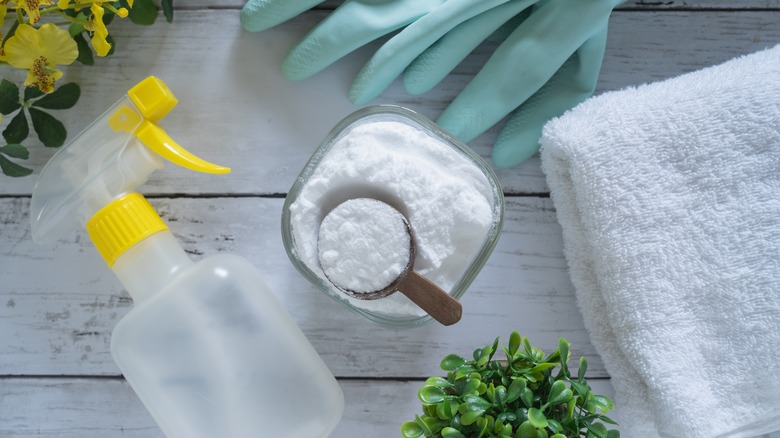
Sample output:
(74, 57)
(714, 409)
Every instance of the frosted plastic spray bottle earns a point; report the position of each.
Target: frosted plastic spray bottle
(207, 347)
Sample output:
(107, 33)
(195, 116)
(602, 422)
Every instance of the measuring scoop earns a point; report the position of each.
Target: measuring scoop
(366, 249)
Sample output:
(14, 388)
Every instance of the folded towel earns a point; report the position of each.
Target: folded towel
(669, 199)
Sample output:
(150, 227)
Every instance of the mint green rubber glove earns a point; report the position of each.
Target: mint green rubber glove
(258, 15)
(352, 25)
(547, 65)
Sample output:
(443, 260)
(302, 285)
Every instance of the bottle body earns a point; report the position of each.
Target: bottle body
(215, 354)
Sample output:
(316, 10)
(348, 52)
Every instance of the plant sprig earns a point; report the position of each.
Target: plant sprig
(31, 101)
(80, 35)
(527, 395)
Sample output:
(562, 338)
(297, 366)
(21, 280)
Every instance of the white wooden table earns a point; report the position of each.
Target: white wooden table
(58, 304)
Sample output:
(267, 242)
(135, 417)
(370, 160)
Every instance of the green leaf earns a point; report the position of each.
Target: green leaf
(526, 430)
(514, 343)
(433, 424)
(596, 430)
(143, 12)
(559, 393)
(527, 397)
(9, 97)
(494, 348)
(14, 150)
(483, 424)
(429, 394)
(447, 409)
(167, 7)
(507, 417)
(464, 372)
(12, 169)
(85, 51)
(558, 435)
(537, 418)
(563, 347)
(471, 416)
(75, 29)
(410, 429)
(581, 388)
(110, 40)
(527, 347)
(613, 434)
(542, 366)
(600, 402)
(32, 93)
(449, 432)
(452, 362)
(583, 368)
(471, 386)
(17, 130)
(423, 426)
(554, 426)
(63, 97)
(51, 131)
(475, 403)
(441, 382)
(515, 389)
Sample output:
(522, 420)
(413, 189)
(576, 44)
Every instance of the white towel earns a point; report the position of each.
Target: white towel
(669, 199)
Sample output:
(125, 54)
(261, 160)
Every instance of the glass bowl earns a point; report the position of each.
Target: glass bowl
(449, 194)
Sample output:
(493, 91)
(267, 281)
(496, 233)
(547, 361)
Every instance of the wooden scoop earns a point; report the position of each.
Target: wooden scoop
(377, 243)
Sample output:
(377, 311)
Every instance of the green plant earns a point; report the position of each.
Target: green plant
(520, 397)
(77, 31)
(51, 132)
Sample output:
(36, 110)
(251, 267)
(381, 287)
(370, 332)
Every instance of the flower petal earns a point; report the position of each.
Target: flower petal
(57, 46)
(23, 47)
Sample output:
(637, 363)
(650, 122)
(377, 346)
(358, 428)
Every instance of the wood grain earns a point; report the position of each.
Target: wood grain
(236, 106)
(58, 304)
(61, 302)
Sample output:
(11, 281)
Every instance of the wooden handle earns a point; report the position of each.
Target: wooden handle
(431, 298)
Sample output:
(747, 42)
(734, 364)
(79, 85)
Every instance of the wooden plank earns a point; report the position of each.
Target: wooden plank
(628, 5)
(59, 304)
(99, 408)
(236, 108)
(87, 408)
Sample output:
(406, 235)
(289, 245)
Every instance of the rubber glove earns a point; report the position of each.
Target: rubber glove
(352, 25)
(548, 64)
(258, 15)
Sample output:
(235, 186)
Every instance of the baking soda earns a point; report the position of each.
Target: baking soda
(446, 198)
(364, 245)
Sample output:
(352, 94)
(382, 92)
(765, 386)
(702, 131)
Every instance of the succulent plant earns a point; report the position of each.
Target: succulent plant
(529, 394)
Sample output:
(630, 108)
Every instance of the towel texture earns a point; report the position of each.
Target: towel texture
(669, 199)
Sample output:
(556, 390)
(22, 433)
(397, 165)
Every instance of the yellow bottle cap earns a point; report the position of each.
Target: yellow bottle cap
(153, 98)
(121, 224)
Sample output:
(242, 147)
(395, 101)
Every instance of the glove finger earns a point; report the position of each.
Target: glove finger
(259, 15)
(396, 54)
(352, 25)
(438, 60)
(522, 65)
(571, 85)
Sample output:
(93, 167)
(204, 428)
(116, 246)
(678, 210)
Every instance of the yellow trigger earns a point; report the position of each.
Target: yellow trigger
(159, 141)
(154, 100)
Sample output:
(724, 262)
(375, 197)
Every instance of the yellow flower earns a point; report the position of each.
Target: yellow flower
(32, 7)
(98, 29)
(40, 51)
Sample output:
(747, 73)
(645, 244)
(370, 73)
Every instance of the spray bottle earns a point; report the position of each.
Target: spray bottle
(207, 347)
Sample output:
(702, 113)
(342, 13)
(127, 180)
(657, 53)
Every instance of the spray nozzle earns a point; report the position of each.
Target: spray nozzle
(110, 158)
(154, 100)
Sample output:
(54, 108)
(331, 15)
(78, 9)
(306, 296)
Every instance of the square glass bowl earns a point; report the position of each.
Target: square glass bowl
(451, 197)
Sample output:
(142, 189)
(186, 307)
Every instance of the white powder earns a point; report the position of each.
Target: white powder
(364, 245)
(447, 200)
